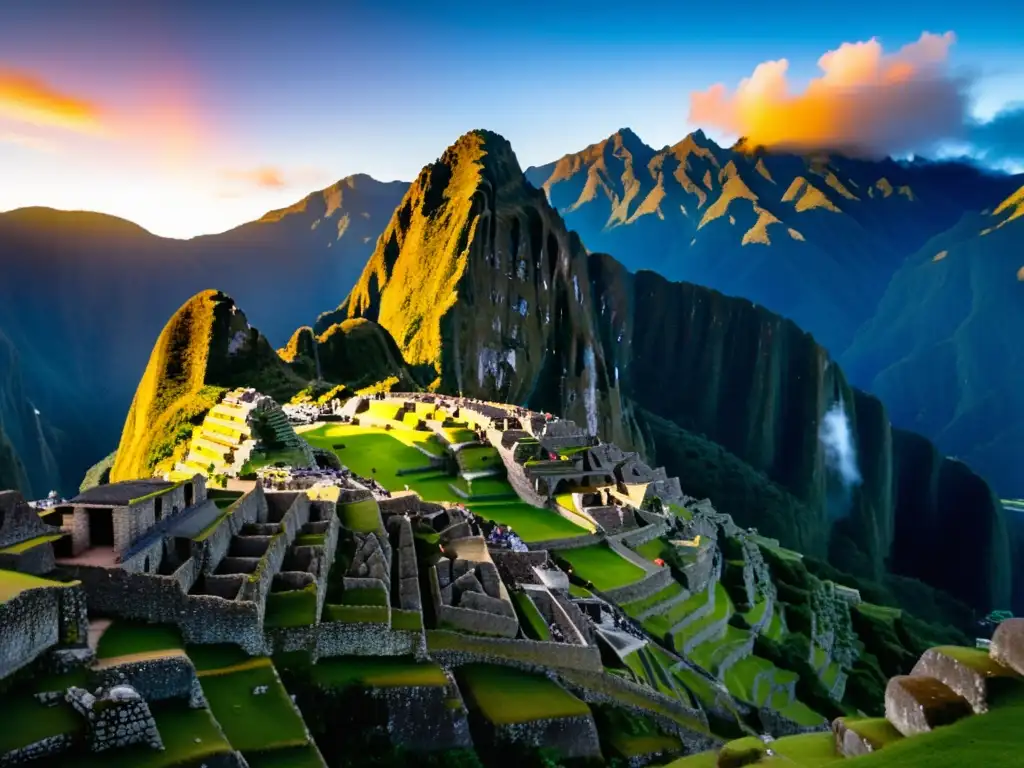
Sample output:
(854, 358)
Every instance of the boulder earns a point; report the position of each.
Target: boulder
(970, 672)
(468, 582)
(859, 736)
(1008, 644)
(915, 704)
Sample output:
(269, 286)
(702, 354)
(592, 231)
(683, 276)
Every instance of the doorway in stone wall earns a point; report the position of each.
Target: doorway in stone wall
(189, 495)
(101, 527)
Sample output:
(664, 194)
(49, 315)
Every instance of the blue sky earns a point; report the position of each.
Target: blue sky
(208, 117)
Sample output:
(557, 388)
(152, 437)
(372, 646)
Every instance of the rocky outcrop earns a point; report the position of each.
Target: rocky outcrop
(206, 347)
(919, 704)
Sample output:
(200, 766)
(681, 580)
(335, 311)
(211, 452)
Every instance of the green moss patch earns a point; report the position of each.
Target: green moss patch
(207, 658)
(26, 721)
(13, 584)
(364, 596)
(360, 516)
(251, 722)
(530, 620)
(808, 750)
(292, 757)
(356, 614)
(603, 567)
(407, 620)
(124, 638)
(505, 696)
(296, 608)
(663, 595)
(376, 672)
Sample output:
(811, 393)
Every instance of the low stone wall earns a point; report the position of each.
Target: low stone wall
(777, 724)
(118, 593)
(575, 542)
(400, 505)
(454, 649)
(478, 622)
(249, 508)
(210, 619)
(48, 747)
(341, 638)
(690, 725)
(570, 737)
(735, 656)
(407, 572)
(420, 718)
(297, 515)
(640, 536)
(699, 613)
(641, 589)
(29, 625)
(554, 613)
(156, 679)
(37, 560)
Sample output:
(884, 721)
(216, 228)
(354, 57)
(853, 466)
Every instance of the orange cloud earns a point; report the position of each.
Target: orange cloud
(265, 177)
(273, 177)
(27, 99)
(864, 102)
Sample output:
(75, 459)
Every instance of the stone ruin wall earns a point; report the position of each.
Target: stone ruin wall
(163, 678)
(29, 624)
(420, 718)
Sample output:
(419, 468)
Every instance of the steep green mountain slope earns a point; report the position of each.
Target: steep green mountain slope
(813, 238)
(943, 350)
(356, 353)
(206, 347)
(477, 279)
(83, 295)
(477, 276)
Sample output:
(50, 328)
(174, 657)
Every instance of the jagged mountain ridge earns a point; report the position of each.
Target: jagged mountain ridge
(472, 241)
(84, 295)
(813, 238)
(943, 349)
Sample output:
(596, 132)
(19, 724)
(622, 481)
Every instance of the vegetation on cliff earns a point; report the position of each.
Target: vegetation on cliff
(207, 347)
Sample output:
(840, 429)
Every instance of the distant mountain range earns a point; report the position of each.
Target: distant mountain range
(844, 247)
(84, 297)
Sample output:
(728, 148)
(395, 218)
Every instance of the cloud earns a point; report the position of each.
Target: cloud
(37, 143)
(1001, 139)
(25, 98)
(270, 177)
(264, 177)
(865, 102)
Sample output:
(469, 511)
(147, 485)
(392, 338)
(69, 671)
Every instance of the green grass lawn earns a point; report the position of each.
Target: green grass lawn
(702, 689)
(220, 656)
(603, 567)
(364, 596)
(577, 591)
(740, 679)
(652, 549)
(880, 612)
(369, 448)
(530, 620)
(662, 622)
(360, 516)
(711, 654)
(808, 750)
(292, 757)
(774, 630)
(505, 696)
(310, 540)
(376, 672)
(26, 721)
(253, 723)
(457, 435)
(407, 620)
(818, 656)
(629, 746)
(190, 737)
(296, 608)
(801, 714)
(485, 486)
(475, 459)
(533, 524)
(24, 546)
(564, 500)
(723, 610)
(665, 594)
(876, 730)
(123, 638)
(828, 679)
(755, 614)
(660, 656)
(992, 740)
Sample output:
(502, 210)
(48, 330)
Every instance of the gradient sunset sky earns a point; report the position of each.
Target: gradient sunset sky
(192, 117)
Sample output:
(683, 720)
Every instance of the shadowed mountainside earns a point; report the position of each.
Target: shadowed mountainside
(84, 295)
(944, 351)
(477, 277)
(814, 238)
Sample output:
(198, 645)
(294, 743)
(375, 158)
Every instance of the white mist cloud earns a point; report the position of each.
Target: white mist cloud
(840, 453)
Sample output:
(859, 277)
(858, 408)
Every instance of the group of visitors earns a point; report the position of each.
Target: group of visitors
(506, 538)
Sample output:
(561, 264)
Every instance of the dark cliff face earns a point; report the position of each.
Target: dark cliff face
(760, 387)
(30, 448)
(477, 278)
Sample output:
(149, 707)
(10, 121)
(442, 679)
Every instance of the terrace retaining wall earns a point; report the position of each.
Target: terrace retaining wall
(420, 718)
(250, 508)
(156, 679)
(29, 625)
(342, 638)
(640, 536)
(575, 542)
(532, 655)
(647, 586)
(571, 737)
(48, 747)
